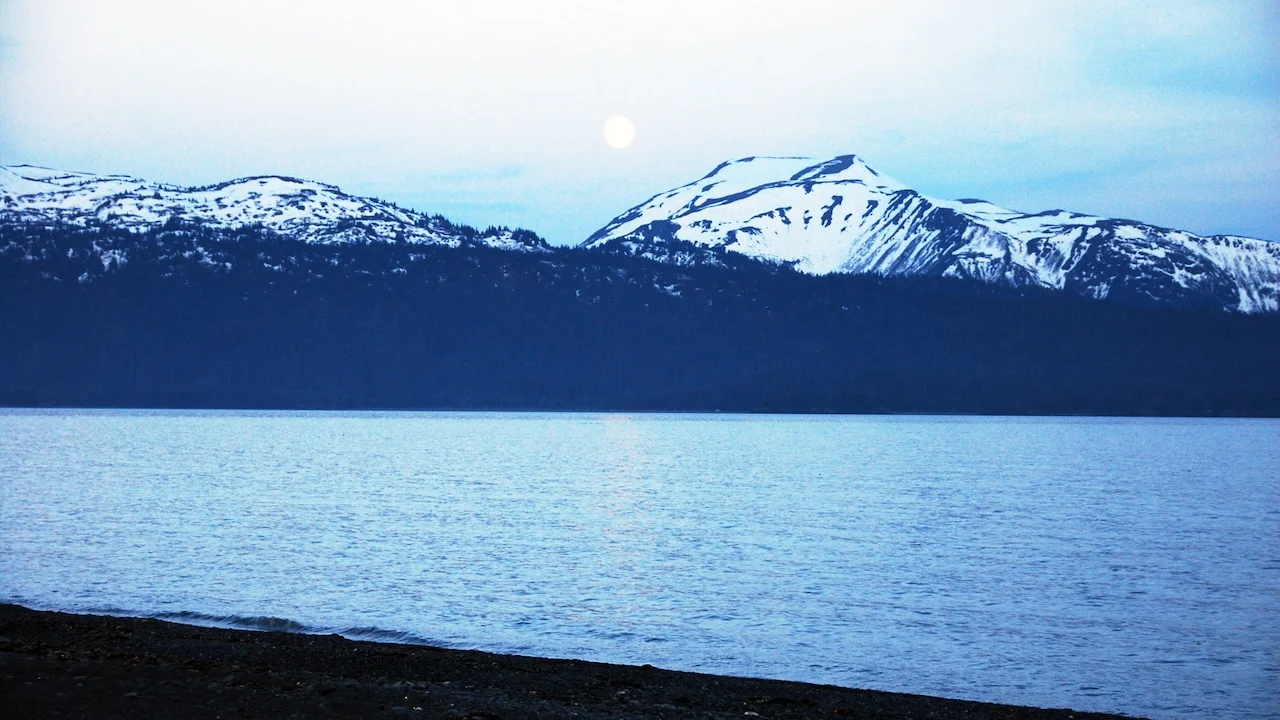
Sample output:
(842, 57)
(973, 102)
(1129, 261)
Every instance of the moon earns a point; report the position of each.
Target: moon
(619, 132)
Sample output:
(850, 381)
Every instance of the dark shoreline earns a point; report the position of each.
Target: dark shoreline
(60, 665)
(621, 411)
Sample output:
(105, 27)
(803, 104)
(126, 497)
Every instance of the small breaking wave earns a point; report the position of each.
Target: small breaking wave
(257, 623)
(262, 623)
(377, 634)
(268, 623)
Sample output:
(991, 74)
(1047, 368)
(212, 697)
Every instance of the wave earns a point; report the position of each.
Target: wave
(263, 623)
(377, 634)
(256, 623)
(268, 623)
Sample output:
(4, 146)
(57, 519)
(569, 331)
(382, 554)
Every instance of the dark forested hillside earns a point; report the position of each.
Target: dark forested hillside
(184, 317)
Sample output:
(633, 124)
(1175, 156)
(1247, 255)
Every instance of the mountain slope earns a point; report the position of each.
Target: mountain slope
(296, 209)
(842, 216)
(207, 314)
(267, 322)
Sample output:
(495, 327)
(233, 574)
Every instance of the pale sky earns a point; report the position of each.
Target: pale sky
(491, 111)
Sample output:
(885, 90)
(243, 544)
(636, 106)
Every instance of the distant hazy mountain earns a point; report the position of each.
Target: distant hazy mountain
(841, 216)
(296, 209)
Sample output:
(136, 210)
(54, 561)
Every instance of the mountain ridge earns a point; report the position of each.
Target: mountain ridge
(306, 210)
(801, 212)
(837, 215)
(170, 311)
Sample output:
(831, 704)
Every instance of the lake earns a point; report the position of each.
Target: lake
(1122, 565)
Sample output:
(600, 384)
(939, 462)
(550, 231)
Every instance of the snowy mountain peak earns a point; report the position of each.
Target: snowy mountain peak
(304, 210)
(842, 216)
(754, 172)
(739, 180)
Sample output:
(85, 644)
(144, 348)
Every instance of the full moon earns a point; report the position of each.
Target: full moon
(619, 132)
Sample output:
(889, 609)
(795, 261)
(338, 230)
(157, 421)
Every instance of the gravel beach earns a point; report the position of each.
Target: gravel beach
(84, 666)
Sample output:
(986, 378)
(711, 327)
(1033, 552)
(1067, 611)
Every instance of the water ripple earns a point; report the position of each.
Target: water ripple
(1115, 565)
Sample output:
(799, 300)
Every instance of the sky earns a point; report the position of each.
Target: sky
(491, 111)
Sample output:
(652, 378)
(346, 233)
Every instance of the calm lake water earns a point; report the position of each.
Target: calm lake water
(1120, 565)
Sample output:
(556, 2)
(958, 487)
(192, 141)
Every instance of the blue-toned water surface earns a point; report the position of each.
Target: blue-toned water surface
(1124, 565)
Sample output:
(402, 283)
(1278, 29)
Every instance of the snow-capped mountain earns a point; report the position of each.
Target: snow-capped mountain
(297, 209)
(841, 216)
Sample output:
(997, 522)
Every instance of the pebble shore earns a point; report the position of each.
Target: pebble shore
(56, 665)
